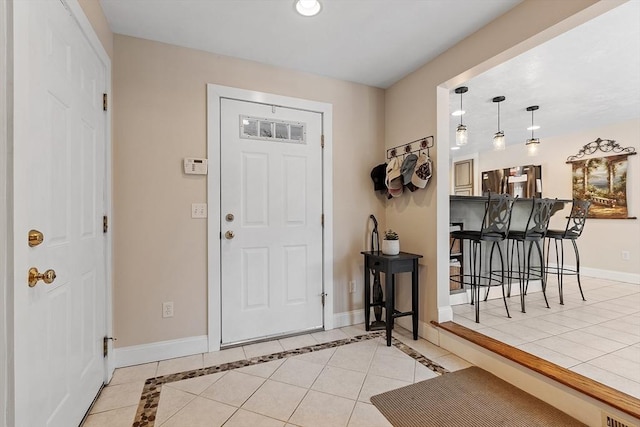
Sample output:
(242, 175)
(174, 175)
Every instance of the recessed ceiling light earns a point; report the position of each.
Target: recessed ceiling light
(535, 127)
(308, 7)
(455, 148)
(458, 113)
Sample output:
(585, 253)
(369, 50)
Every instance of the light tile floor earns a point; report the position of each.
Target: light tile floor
(330, 387)
(598, 338)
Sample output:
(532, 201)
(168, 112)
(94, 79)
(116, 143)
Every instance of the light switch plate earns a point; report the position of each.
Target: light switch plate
(198, 210)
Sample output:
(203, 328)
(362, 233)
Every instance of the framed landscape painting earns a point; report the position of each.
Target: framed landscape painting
(603, 180)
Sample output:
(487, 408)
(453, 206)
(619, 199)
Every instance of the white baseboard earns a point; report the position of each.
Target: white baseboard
(536, 285)
(445, 314)
(459, 298)
(425, 330)
(597, 273)
(153, 352)
(348, 318)
(495, 292)
(354, 317)
(429, 333)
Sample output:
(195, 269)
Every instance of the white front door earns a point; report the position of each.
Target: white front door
(271, 222)
(59, 170)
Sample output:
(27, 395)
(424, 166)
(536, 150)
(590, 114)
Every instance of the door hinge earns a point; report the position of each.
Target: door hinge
(105, 102)
(322, 220)
(105, 345)
(322, 141)
(324, 296)
(105, 223)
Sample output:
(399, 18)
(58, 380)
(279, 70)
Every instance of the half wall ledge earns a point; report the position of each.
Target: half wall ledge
(610, 396)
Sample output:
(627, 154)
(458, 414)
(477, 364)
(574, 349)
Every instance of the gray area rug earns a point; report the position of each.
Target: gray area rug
(469, 397)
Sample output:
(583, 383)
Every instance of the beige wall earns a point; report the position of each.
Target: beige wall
(160, 117)
(94, 13)
(410, 113)
(603, 240)
(159, 113)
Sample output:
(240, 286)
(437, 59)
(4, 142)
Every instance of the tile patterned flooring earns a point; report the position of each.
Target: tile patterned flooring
(272, 384)
(320, 379)
(598, 338)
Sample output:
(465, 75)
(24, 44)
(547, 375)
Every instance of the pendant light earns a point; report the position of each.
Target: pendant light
(461, 132)
(532, 143)
(498, 138)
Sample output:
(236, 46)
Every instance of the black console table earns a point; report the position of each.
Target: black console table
(390, 265)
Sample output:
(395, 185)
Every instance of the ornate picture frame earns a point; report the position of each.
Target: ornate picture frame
(602, 180)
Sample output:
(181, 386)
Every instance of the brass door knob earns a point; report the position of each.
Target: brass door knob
(229, 235)
(47, 277)
(35, 238)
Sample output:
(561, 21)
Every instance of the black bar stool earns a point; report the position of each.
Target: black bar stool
(534, 233)
(573, 230)
(494, 229)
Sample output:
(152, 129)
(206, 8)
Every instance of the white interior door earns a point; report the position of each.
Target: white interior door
(59, 171)
(271, 204)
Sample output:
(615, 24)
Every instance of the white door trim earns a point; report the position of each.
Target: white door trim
(6, 243)
(96, 44)
(445, 312)
(214, 95)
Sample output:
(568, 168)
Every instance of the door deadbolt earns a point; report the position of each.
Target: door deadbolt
(35, 238)
(34, 276)
(229, 235)
(230, 217)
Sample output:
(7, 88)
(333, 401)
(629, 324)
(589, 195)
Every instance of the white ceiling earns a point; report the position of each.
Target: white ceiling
(374, 42)
(587, 77)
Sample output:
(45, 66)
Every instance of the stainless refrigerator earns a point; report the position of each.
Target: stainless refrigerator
(521, 181)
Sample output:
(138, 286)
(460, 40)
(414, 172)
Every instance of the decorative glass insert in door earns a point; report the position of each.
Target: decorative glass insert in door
(272, 130)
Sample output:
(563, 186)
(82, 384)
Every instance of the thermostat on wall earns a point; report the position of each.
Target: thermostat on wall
(195, 166)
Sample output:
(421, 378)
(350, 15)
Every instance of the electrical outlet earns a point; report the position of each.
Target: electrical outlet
(167, 309)
(198, 210)
(352, 286)
(625, 255)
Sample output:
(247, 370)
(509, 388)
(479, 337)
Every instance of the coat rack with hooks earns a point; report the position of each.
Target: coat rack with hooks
(422, 144)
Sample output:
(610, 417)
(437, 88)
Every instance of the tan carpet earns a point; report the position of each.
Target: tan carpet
(469, 397)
